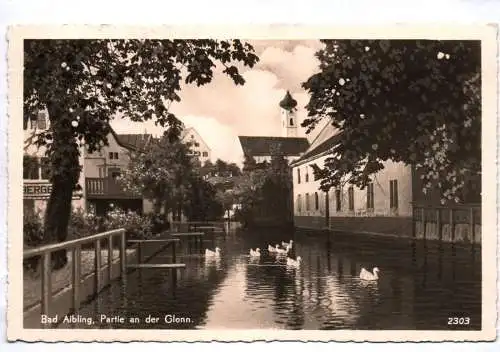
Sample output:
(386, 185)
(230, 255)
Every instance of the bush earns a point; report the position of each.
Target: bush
(136, 226)
(32, 229)
(33, 236)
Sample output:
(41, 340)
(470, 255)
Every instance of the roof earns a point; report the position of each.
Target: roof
(261, 145)
(320, 149)
(187, 130)
(134, 141)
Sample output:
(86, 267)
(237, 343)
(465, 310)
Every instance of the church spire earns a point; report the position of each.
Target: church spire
(288, 116)
(288, 103)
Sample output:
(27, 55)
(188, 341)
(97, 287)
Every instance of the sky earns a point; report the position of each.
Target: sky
(221, 111)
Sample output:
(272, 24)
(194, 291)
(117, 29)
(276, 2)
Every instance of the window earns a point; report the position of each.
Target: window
(113, 155)
(205, 154)
(316, 200)
(307, 174)
(30, 168)
(299, 203)
(338, 200)
(393, 194)
(298, 175)
(350, 193)
(45, 168)
(291, 121)
(115, 173)
(192, 136)
(307, 201)
(369, 196)
(196, 144)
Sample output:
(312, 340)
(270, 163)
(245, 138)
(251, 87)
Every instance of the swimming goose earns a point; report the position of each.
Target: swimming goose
(294, 263)
(366, 275)
(255, 253)
(209, 253)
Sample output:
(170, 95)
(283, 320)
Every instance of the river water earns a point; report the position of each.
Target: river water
(421, 286)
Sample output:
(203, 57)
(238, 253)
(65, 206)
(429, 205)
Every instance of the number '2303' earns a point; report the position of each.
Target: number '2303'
(459, 321)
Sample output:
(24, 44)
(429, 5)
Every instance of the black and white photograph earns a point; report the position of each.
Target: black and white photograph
(281, 183)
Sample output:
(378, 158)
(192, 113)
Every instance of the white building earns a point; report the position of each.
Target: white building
(199, 147)
(291, 146)
(36, 169)
(384, 206)
(104, 166)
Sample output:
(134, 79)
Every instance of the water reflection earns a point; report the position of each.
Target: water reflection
(420, 286)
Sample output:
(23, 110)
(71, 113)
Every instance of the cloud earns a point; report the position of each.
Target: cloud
(221, 111)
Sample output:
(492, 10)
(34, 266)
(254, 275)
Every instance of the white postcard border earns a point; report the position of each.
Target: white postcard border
(486, 33)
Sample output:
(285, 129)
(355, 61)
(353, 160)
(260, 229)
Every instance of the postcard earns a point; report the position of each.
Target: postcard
(250, 183)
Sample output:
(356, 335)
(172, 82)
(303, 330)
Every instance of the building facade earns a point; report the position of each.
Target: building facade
(384, 206)
(102, 168)
(36, 170)
(99, 188)
(199, 147)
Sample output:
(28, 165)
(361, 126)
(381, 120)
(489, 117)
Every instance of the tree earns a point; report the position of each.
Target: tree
(84, 83)
(202, 203)
(416, 102)
(162, 173)
(207, 169)
(265, 190)
(249, 163)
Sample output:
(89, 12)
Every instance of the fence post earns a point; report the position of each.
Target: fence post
(110, 257)
(414, 221)
(472, 227)
(424, 223)
(46, 284)
(123, 254)
(139, 253)
(76, 277)
(174, 259)
(452, 226)
(97, 265)
(439, 225)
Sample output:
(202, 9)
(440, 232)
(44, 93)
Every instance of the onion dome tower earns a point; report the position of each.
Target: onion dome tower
(288, 106)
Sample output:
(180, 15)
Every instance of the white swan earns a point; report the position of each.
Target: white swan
(366, 275)
(287, 244)
(295, 263)
(255, 253)
(271, 249)
(209, 253)
(282, 251)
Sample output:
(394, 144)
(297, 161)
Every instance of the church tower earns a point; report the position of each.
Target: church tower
(288, 107)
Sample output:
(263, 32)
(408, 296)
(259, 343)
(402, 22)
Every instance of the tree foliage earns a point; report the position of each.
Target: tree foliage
(411, 101)
(201, 202)
(265, 190)
(84, 83)
(162, 173)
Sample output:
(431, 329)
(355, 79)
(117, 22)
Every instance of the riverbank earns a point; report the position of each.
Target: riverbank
(61, 282)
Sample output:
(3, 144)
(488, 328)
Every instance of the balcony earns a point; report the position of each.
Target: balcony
(107, 188)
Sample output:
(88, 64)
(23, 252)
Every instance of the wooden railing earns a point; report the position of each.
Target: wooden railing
(107, 188)
(453, 215)
(75, 246)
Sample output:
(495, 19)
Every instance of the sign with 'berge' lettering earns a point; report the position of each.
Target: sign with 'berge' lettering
(42, 191)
